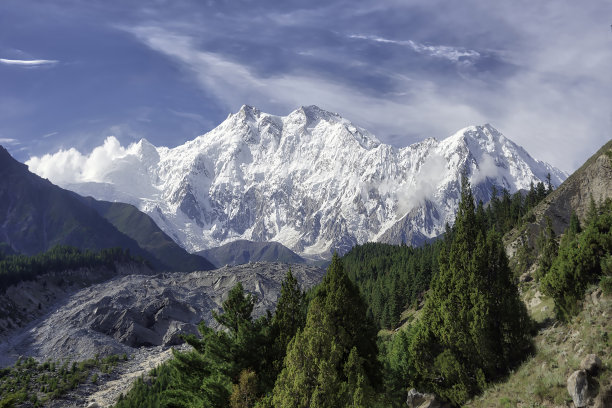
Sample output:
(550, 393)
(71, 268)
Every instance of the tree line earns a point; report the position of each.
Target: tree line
(19, 268)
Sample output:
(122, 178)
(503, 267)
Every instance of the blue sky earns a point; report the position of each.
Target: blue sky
(74, 72)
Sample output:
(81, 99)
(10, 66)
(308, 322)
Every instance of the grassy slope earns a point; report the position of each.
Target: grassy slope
(541, 380)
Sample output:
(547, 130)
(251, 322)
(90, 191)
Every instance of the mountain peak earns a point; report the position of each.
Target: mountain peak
(314, 181)
(249, 110)
(313, 112)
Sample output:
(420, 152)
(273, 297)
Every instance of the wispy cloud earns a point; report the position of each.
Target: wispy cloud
(49, 135)
(9, 142)
(27, 63)
(235, 84)
(454, 54)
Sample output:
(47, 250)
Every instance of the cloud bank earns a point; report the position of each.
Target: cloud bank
(71, 166)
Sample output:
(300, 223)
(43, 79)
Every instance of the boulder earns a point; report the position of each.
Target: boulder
(417, 399)
(578, 388)
(591, 364)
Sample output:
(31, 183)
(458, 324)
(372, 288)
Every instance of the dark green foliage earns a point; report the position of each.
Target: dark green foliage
(579, 262)
(40, 383)
(523, 258)
(290, 316)
(474, 326)
(237, 309)
(391, 278)
(509, 210)
(17, 268)
(548, 246)
(332, 361)
(606, 271)
(398, 365)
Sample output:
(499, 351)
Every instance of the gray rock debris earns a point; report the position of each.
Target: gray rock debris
(128, 312)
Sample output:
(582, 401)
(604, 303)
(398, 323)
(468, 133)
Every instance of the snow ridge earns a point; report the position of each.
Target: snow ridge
(311, 180)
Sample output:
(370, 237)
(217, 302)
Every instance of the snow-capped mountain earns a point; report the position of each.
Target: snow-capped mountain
(311, 180)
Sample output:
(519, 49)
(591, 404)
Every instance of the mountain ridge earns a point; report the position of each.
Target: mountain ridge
(310, 180)
(243, 251)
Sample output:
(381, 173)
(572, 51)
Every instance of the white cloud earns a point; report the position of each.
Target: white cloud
(454, 54)
(429, 176)
(486, 168)
(71, 166)
(27, 63)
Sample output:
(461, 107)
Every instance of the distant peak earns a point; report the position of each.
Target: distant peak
(478, 132)
(313, 112)
(248, 108)
(249, 111)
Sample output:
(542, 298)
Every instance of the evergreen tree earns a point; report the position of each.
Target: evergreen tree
(548, 248)
(237, 309)
(474, 325)
(290, 314)
(549, 186)
(578, 263)
(332, 361)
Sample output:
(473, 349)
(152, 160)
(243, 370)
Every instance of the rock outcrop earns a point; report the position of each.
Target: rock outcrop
(592, 181)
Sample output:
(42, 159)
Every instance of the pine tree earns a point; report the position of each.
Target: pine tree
(237, 309)
(548, 248)
(290, 314)
(332, 361)
(474, 326)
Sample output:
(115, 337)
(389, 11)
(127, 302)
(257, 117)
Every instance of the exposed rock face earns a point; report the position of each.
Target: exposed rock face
(591, 364)
(578, 388)
(592, 180)
(132, 311)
